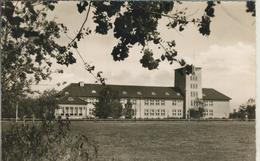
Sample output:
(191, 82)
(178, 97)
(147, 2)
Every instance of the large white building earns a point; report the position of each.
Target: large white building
(148, 101)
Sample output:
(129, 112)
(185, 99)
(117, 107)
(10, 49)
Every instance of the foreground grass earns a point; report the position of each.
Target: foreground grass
(171, 141)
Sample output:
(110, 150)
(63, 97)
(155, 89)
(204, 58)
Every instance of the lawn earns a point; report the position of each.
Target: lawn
(171, 140)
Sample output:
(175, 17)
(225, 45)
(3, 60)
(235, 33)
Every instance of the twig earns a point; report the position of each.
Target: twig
(86, 18)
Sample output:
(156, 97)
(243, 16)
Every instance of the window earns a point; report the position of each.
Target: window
(146, 102)
(152, 112)
(151, 102)
(174, 112)
(163, 112)
(179, 112)
(63, 111)
(162, 102)
(90, 111)
(211, 103)
(167, 94)
(157, 102)
(70, 99)
(157, 113)
(71, 110)
(146, 112)
(178, 94)
(80, 111)
(67, 110)
(211, 112)
(191, 85)
(174, 102)
(191, 103)
(124, 92)
(93, 91)
(76, 111)
(206, 112)
(153, 93)
(139, 93)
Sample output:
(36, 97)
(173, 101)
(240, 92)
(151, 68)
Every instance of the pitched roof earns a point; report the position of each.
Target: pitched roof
(212, 94)
(132, 91)
(124, 91)
(71, 100)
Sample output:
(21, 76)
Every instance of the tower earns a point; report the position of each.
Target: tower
(190, 87)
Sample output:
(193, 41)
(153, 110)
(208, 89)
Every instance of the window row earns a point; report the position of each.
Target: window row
(208, 103)
(194, 94)
(208, 112)
(176, 112)
(153, 112)
(193, 86)
(175, 102)
(193, 78)
(194, 103)
(74, 111)
(153, 102)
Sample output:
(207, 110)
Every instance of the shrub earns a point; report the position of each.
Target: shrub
(46, 141)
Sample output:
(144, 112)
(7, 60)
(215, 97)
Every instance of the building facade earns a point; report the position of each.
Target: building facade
(151, 102)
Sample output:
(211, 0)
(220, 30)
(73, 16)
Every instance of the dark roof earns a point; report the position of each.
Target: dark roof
(212, 94)
(124, 91)
(132, 91)
(71, 100)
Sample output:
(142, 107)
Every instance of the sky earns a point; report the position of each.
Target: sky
(227, 56)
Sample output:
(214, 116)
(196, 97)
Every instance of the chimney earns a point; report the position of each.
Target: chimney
(81, 84)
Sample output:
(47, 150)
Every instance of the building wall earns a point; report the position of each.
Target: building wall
(160, 108)
(217, 109)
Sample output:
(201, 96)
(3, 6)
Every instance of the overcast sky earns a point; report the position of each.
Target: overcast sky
(227, 56)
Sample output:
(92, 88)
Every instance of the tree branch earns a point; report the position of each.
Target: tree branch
(81, 28)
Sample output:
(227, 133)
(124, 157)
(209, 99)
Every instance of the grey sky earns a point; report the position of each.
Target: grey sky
(227, 56)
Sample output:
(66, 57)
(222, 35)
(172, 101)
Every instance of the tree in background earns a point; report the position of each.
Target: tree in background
(40, 107)
(128, 111)
(109, 104)
(198, 110)
(196, 113)
(116, 109)
(246, 110)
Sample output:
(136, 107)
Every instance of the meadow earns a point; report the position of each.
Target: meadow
(171, 140)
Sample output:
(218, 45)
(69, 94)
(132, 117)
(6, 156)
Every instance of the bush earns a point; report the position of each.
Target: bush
(46, 141)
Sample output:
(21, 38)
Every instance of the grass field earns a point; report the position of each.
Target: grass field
(171, 141)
